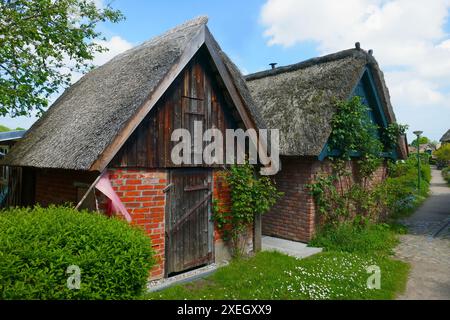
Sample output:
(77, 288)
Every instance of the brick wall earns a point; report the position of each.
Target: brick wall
(292, 217)
(141, 191)
(325, 167)
(54, 186)
(221, 194)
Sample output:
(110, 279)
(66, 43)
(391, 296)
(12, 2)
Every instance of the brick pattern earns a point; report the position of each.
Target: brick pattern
(221, 194)
(325, 167)
(141, 191)
(55, 186)
(292, 217)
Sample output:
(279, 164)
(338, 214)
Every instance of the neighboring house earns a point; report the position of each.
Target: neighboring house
(7, 140)
(298, 99)
(119, 118)
(426, 147)
(446, 137)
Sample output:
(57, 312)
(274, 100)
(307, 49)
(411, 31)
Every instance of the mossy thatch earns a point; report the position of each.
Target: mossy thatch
(300, 99)
(87, 117)
(445, 137)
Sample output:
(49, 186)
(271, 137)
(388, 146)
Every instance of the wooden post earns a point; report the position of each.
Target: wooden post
(89, 190)
(257, 245)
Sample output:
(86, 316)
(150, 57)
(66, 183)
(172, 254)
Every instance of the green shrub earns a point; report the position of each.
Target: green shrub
(446, 174)
(38, 245)
(398, 193)
(250, 195)
(357, 237)
(443, 154)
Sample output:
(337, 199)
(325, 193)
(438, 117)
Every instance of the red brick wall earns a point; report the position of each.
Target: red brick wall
(325, 167)
(221, 194)
(141, 191)
(54, 186)
(292, 217)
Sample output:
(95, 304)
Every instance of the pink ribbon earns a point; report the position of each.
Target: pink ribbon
(105, 187)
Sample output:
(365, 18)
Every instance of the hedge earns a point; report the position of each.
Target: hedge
(400, 188)
(446, 174)
(38, 246)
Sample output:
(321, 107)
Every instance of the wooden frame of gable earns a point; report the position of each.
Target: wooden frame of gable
(366, 78)
(203, 37)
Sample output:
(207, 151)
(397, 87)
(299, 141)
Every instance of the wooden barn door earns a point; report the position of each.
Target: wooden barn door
(189, 231)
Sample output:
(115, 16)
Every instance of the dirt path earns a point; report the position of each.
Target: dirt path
(427, 246)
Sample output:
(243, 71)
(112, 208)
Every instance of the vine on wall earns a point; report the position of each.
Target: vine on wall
(250, 195)
(353, 135)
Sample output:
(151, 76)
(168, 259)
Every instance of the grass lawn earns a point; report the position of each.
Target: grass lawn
(339, 273)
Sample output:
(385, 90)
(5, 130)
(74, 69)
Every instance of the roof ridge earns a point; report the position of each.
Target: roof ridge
(357, 53)
(197, 21)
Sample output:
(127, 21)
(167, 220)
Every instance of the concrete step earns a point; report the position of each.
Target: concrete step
(291, 248)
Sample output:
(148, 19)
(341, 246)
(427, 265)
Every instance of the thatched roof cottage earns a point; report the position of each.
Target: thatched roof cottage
(118, 120)
(445, 138)
(299, 100)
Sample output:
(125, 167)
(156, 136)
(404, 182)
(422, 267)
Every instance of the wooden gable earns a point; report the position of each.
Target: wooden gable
(366, 90)
(197, 94)
(370, 97)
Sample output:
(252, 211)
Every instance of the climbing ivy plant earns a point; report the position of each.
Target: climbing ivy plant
(353, 135)
(250, 195)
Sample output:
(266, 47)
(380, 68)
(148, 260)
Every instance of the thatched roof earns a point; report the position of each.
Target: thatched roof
(92, 113)
(446, 137)
(298, 99)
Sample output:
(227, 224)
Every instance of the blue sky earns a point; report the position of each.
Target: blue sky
(410, 41)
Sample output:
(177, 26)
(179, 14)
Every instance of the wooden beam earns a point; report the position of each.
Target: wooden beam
(229, 83)
(110, 151)
(88, 191)
(257, 234)
(232, 90)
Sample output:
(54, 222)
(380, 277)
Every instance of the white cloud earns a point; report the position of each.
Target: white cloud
(406, 35)
(115, 45)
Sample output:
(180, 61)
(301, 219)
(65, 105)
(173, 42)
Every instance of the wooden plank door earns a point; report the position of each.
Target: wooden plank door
(189, 231)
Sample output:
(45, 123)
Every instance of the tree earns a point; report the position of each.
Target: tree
(41, 43)
(443, 153)
(422, 140)
(7, 129)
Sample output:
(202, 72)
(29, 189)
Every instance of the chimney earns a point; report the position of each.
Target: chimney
(370, 52)
(358, 46)
(273, 64)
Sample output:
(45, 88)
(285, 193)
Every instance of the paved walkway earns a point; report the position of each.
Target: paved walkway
(427, 246)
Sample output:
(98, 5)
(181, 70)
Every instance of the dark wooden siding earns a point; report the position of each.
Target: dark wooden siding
(196, 95)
